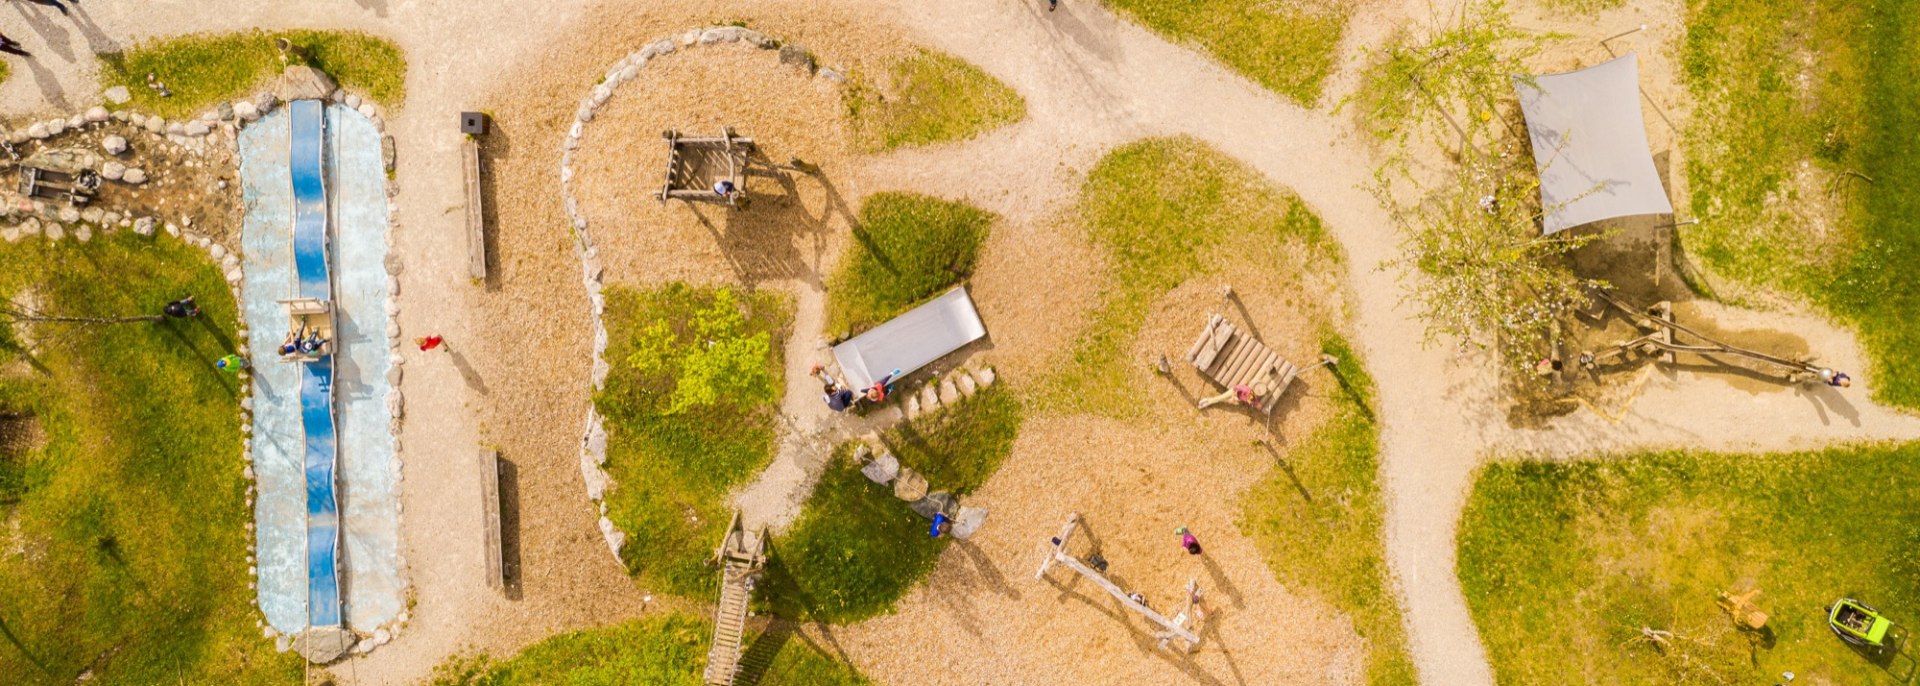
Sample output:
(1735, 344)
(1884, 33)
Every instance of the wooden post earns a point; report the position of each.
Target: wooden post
(490, 517)
(476, 212)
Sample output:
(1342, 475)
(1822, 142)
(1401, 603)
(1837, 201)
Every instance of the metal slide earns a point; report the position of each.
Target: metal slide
(313, 280)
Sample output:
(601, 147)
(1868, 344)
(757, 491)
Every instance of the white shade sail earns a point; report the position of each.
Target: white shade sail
(1590, 144)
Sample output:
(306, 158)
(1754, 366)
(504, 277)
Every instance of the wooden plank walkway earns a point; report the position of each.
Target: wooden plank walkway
(476, 211)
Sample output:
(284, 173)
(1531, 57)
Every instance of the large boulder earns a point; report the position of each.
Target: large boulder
(301, 82)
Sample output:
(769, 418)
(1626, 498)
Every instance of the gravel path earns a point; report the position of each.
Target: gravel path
(1092, 82)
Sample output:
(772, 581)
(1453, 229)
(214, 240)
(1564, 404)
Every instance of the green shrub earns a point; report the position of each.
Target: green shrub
(689, 416)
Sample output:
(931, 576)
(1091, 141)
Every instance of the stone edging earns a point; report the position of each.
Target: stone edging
(593, 441)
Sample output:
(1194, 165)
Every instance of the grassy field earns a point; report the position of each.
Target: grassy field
(689, 409)
(1158, 207)
(1287, 46)
(1563, 563)
(1317, 518)
(124, 549)
(907, 248)
(661, 650)
(929, 97)
(204, 69)
(1808, 105)
(856, 549)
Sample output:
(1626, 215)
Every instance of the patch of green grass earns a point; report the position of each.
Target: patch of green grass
(662, 650)
(1562, 563)
(1828, 86)
(907, 248)
(690, 405)
(1317, 518)
(929, 97)
(1283, 45)
(1159, 207)
(125, 545)
(205, 68)
(856, 549)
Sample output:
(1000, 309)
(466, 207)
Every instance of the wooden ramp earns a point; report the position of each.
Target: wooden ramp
(1232, 357)
(740, 559)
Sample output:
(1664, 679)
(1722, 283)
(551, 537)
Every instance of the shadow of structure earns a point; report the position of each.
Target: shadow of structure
(510, 528)
(761, 653)
(495, 147)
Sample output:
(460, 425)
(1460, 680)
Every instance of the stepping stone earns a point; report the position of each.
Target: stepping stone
(882, 470)
(909, 485)
(948, 393)
(968, 520)
(966, 384)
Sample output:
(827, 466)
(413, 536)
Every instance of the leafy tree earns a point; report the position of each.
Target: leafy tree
(712, 360)
(1479, 269)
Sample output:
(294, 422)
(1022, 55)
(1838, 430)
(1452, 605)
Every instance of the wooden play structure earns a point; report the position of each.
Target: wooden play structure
(1231, 358)
(1659, 340)
(707, 169)
(309, 318)
(740, 555)
(74, 188)
(1185, 625)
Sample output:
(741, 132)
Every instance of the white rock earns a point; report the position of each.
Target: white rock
(629, 73)
(217, 251)
(143, 226)
(156, 124)
(195, 128)
(246, 110)
(366, 110)
(136, 118)
(176, 129)
(600, 94)
(82, 233)
(172, 230)
(56, 126)
(134, 176)
(657, 48)
(113, 171)
(114, 145)
(69, 215)
(56, 232)
(10, 234)
(234, 275)
(30, 227)
(353, 100)
(966, 384)
(118, 95)
(97, 114)
(984, 376)
(690, 37)
(37, 131)
(948, 393)
(929, 397)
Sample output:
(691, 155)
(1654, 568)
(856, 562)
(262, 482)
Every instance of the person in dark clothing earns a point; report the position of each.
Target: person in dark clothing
(8, 44)
(178, 309)
(838, 399)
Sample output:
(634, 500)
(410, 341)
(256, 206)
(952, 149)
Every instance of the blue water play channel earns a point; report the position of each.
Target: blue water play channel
(326, 513)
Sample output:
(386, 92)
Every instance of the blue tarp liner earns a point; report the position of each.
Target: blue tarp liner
(306, 172)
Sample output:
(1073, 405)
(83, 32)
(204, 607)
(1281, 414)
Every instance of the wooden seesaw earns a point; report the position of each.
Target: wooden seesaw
(1183, 626)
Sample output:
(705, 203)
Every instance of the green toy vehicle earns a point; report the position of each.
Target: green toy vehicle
(1859, 624)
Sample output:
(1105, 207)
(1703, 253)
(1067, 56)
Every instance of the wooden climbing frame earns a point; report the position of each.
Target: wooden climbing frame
(696, 165)
(1183, 626)
(740, 561)
(1658, 339)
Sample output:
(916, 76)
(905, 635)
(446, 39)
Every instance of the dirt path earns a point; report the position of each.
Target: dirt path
(1091, 81)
